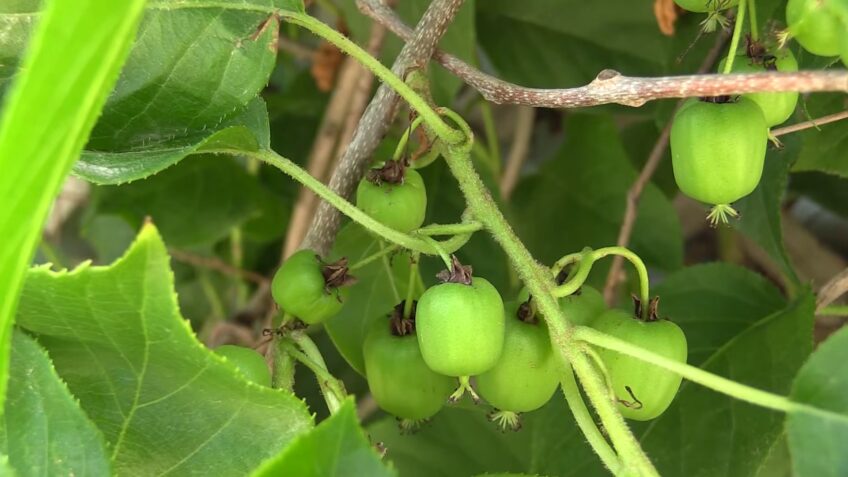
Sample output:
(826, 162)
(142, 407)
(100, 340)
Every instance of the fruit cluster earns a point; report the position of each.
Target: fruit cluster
(718, 144)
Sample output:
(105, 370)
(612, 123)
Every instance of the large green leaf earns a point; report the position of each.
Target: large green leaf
(555, 43)
(195, 202)
(246, 130)
(760, 212)
(825, 149)
(578, 199)
(380, 286)
(44, 430)
(818, 430)
(337, 447)
(715, 302)
(44, 126)
(164, 403)
(719, 435)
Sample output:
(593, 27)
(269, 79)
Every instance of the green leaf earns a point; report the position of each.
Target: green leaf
(45, 431)
(818, 429)
(760, 212)
(16, 24)
(715, 302)
(556, 43)
(164, 402)
(246, 130)
(824, 149)
(714, 434)
(195, 202)
(337, 447)
(193, 65)
(578, 198)
(373, 296)
(44, 127)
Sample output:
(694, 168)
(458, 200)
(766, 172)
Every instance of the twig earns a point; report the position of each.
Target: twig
(213, 263)
(836, 287)
(518, 152)
(810, 124)
(612, 87)
(635, 192)
(376, 121)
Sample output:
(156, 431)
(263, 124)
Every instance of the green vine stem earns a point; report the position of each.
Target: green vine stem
(416, 102)
(641, 271)
(587, 259)
(461, 231)
(404, 138)
(568, 287)
(406, 241)
(696, 375)
(752, 18)
(410, 285)
(737, 33)
(387, 269)
(586, 423)
(308, 354)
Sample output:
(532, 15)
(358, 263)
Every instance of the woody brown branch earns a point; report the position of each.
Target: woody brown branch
(612, 87)
(376, 121)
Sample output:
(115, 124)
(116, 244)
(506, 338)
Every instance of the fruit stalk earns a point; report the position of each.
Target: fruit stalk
(737, 33)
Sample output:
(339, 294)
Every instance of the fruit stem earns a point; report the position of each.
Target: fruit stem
(416, 102)
(641, 270)
(587, 259)
(752, 18)
(737, 32)
(387, 268)
(696, 375)
(374, 256)
(303, 349)
(404, 138)
(586, 422)
(410, 285)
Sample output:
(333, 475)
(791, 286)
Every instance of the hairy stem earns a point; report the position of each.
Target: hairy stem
(586, 423)
(752, 15)
(737, 33)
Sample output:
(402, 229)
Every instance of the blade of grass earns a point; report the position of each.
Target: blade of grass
(71, 64)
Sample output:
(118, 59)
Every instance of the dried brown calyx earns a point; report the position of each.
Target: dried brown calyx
(653, 306)
(336, 274)
(758, 53)
(392, 172)
(400, 325)
(526, 314)
(458, 273)
(719, 99)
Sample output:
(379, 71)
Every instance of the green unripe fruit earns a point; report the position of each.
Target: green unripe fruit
(398, 378)
(643, 391)
(460, 327)
(816, 25)
(399, 206)
(776, 107)
(703, 6)
(248, 361)
(580, 308)
(718, 149)
(299, 287)
(526, 375)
